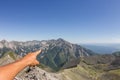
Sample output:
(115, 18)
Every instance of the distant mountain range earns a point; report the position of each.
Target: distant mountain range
(103, 48)
(57, 54)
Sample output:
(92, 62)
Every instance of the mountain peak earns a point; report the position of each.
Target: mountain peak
(60, 39)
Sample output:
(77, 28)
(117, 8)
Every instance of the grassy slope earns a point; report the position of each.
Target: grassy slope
(77, 73)
(11, 54)
(7, 58)
(89, 72)
(82, 72)
(117, 72)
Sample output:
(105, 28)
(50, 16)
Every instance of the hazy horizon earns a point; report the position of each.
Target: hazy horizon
(95, 44)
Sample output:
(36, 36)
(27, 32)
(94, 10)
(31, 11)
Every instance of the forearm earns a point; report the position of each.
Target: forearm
(8, 72)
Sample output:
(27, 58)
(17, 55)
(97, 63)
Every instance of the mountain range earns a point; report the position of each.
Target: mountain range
(56, 54)
(61, 60)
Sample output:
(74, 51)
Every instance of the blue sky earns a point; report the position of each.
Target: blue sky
(78, 21)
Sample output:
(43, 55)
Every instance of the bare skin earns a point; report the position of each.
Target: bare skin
(9, 71)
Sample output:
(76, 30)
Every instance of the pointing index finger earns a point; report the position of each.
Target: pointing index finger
(38, 52)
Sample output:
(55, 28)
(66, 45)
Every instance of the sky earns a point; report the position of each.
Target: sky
(77, 21)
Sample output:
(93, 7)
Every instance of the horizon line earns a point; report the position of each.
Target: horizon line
(63, 39)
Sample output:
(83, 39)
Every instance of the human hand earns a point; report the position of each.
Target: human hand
(9, 71)
(31, 58)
